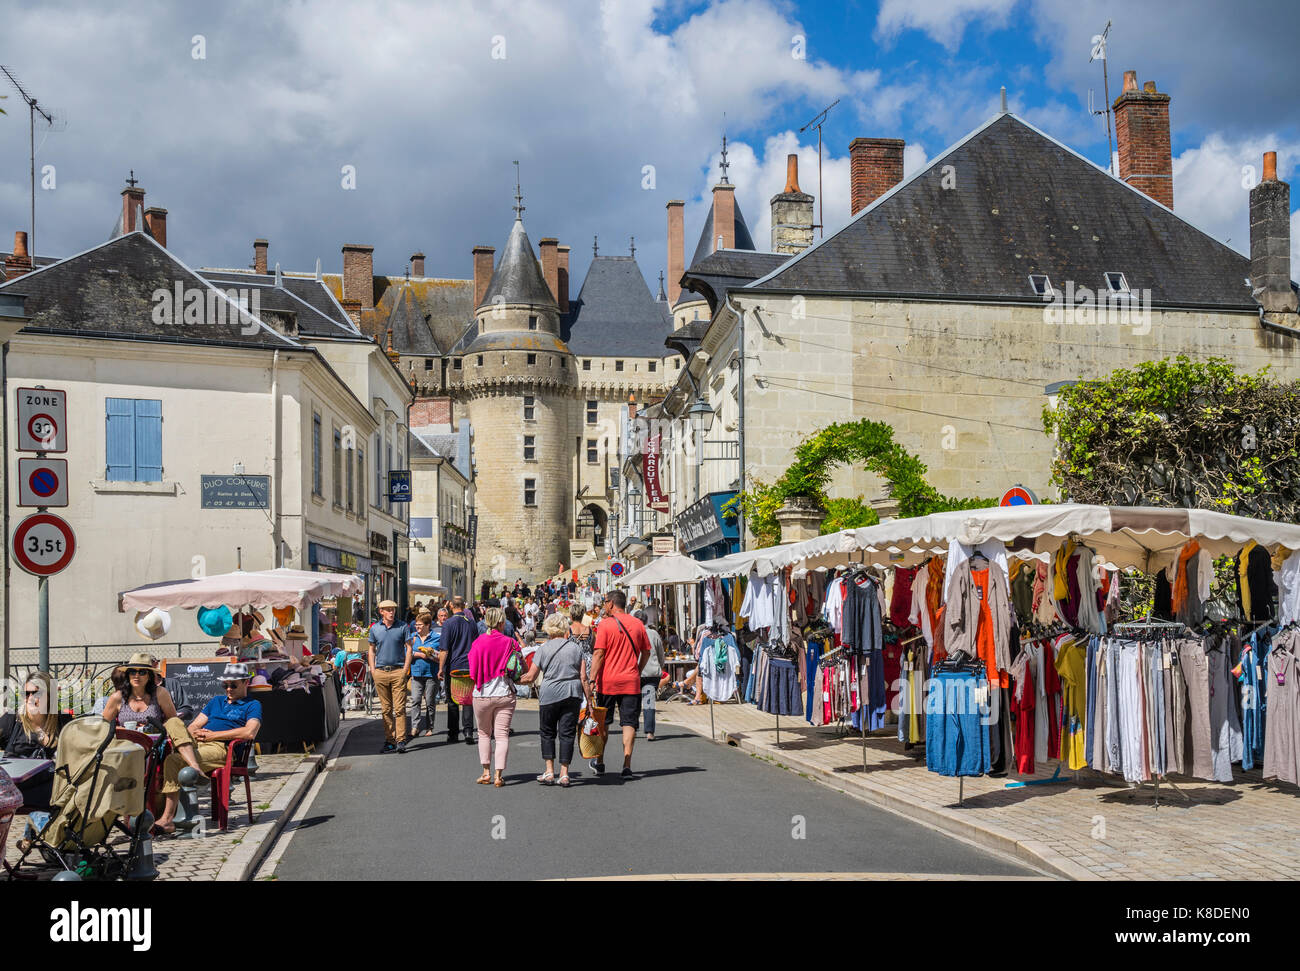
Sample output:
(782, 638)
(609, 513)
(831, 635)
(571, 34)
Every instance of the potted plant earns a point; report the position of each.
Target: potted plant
(354, 638)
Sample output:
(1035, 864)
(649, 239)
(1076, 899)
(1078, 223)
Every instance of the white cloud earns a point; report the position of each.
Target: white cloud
(943, 20)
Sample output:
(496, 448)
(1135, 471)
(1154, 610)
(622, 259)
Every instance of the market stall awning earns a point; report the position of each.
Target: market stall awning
(260, 588)
(672, 568)
(422, 585)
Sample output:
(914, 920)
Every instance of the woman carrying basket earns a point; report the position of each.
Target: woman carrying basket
(490, 658)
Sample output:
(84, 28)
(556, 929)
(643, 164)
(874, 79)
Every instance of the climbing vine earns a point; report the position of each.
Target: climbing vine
(868, 443)
(1181, 433)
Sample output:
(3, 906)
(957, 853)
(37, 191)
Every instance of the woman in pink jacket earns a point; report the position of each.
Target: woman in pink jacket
(494, 694)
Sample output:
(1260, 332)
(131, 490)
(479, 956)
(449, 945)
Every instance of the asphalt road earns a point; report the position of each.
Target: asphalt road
(694, 807)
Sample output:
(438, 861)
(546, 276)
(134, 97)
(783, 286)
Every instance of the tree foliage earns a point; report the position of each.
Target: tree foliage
(868, 443)
(1184, 434)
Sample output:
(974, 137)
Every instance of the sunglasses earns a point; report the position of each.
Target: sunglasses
(28, 694)
(132, 672)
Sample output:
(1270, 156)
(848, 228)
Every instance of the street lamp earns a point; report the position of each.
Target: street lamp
(634, 510)
(700, 416)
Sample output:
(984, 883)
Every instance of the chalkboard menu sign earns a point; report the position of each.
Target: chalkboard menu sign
(194, 682)
(235, 491)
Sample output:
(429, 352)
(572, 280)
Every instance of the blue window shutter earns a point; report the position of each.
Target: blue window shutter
(119, 419)
(148, 440)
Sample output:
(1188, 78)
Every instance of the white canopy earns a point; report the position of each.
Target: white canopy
(672, 568)
(265, 588)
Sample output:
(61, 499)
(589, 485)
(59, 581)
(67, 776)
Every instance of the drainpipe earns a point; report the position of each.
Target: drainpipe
(740, 411)
(278, 556)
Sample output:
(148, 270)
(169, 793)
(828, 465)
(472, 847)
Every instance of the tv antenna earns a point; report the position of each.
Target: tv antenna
(1099, 54)
(52, 121)
(817, 123)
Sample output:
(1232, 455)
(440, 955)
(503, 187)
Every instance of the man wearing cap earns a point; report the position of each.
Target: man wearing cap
(390, 666)
(232, 718)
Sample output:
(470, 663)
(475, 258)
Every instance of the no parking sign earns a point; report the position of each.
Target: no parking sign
(43, 482)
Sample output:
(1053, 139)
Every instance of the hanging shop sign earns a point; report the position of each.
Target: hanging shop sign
(698, 525)
(473, 532)
(399, 486)
(656, 498)
(235, 491)
(663, 545)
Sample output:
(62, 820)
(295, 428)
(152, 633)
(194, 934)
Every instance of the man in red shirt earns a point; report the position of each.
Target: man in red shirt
(621, 651)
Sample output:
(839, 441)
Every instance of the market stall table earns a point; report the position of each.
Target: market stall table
(20, 770)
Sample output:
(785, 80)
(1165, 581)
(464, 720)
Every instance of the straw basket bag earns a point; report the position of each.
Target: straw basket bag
(592, 746)
(462, 688)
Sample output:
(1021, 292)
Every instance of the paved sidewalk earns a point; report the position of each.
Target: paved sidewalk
(280, 782)
(1095, 828)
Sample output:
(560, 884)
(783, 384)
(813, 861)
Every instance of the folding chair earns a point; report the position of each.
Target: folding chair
(223, 778)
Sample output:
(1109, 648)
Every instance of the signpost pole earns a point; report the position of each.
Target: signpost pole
(43, 622)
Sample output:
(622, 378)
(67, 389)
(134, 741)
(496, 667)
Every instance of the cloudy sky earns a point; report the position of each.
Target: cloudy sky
(240, 117)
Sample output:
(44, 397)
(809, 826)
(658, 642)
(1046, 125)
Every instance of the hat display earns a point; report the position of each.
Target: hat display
(234, 671)
(141, 661)
(296, 633)
(283, 616)
(215, 621)
(153, 624)
(387, 603)
(259, 683)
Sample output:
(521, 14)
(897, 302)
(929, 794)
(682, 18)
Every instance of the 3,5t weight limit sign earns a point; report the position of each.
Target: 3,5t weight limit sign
(44, 544)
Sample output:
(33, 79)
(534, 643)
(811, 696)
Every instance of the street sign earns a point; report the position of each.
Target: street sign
(399, 486)
(616, 568)
(1018, 496)
(43, 482)
(42, 420)
(43, 544)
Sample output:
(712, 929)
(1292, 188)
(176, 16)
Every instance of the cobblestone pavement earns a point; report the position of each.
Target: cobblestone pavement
(1092, 828)
(202, 859)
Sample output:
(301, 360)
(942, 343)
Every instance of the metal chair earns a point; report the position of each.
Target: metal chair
(223, 778)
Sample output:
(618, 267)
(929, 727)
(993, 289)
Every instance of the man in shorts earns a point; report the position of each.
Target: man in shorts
(618, 657)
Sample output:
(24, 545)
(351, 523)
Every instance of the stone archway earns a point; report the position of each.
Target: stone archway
(592, 525)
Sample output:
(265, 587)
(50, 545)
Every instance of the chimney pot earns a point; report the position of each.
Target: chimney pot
(1130, 80)
(676, 248)
(260, 247)
(1149, 87)
(875, 167)
(20, 245)
(1142, 140)
(1270, 166)
(791, 173)
(18, 262)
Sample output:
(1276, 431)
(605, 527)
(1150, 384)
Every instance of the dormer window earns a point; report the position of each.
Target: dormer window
(1115, 283)
(1042, 286)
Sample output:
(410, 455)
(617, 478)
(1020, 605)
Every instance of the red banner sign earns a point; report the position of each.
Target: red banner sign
(657, 500)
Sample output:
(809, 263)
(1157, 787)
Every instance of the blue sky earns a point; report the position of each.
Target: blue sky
(432, 102)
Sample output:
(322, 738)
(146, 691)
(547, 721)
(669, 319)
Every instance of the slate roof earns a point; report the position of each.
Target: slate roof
(518, 276)
(705, 246)
(615, 314)
(510, 340)
(730, 269)
(311, 321)
(686, 340)
(108, 291)
(432, 446)
(1022, 203)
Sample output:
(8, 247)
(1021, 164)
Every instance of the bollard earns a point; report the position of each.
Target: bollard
(188, 817)
(142, 867)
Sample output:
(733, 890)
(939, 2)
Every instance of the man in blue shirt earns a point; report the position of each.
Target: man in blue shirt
(234, 717)
(425, 676)
(458, 634)
(390, 666)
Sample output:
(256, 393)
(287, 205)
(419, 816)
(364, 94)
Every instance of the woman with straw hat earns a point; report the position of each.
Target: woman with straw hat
(494, 694)
(142, 699)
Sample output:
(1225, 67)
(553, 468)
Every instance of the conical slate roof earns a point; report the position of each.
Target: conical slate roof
(518, 277)
(705, 246)
(615, 314)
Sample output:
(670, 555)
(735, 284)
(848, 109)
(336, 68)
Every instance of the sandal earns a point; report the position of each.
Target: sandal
(500, 782)
(484, 779)
(563, 781)
(547, 778)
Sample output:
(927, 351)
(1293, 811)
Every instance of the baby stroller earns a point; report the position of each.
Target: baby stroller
(99, 781)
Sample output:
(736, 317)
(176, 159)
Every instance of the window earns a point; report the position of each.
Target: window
(532, 323)
(379, 470)
(316, 486)
(428, 364)
(133, 432)
(455, 365)
(593, 457)
(530, 492)
(530, 408)
(352, 469)
(652, 366)
(591, 412)
(361, 479)
(337, 468)
(480, 360)
(564, 363)
(388, 467)
(1116, 283)
(1041, 284)
(530, 448)
(618, 365)
(532, 359)
(586, 365)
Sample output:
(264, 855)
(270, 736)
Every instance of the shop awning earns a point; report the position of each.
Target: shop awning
(259, 588)
(421, 585)
(672, 568)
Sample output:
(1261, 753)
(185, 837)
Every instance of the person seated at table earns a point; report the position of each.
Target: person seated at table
(224, 720)
(33, 733)
(142, 699)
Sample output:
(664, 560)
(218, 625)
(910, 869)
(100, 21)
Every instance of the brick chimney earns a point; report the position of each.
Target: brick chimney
(875, 167)
(417, 264)
(792, 213)
(1270, 241)
(132, 203)
(156, 220)
(548, 246)
(260, 246)
(676, 249)
(482, 272)
(724, 217)
(19, 261)
(359, 275)
(562, 278)
(1142, 137)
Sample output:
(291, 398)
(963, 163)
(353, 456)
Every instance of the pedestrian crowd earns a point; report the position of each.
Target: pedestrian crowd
(579, 652)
